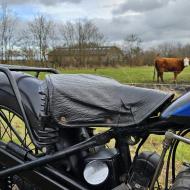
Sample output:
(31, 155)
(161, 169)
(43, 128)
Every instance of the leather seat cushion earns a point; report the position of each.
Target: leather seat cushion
(79, 99)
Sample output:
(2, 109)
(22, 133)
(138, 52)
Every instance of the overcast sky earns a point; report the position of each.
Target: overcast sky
(154, 21)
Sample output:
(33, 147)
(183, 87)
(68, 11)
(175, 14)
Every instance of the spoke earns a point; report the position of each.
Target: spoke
(9, 116)
(11, 127)
(3, 113)
(6, 132)
(10, 132)
(29, 144)
(25, 135)
(1, 125)
(10, 119)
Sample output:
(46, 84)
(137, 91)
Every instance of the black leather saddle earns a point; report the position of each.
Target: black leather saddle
(83, 100)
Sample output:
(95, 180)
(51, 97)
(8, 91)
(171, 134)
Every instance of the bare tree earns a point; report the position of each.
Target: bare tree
(7, 33)
(173, 49)
(132, 48)
(81, 34)
(87, 34)
(67, 32)
(27, 45)
(166, 49)
(41, 30)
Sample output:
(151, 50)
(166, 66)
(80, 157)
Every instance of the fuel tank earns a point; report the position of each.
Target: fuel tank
(179, 111)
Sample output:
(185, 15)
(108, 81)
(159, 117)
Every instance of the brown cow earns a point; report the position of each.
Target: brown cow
(175, 65)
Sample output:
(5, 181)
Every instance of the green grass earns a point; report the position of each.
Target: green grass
(142, 74)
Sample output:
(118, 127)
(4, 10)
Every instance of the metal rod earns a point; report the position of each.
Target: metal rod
(12, 128)
(62, 177)
(169, 137)
(177, 137)
(38, 178)
(45, 160)
(25, 68)
(65, 178)
(17, 94)
(174, 152)
(166, 144)
(89, 143)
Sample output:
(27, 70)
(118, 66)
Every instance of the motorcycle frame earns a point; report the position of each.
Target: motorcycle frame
(38, 170)
(42, 174)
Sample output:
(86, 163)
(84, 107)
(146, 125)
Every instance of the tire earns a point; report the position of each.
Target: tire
(182, 181)
(16, 183)
(23, 185)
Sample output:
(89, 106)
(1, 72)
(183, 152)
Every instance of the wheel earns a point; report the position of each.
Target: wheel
(182, 181)
(12, 129)
(16, 183)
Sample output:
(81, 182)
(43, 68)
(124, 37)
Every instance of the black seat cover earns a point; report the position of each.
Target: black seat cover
(29, 88)
(76, 100)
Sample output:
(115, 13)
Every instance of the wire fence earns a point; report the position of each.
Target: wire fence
(176, 88)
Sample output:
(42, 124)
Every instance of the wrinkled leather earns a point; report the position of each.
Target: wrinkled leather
(79, 99)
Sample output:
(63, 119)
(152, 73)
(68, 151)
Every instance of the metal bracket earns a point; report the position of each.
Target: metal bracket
(96, 140)
(169, 137)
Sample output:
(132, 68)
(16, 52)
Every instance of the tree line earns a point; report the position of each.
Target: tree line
(32, 40)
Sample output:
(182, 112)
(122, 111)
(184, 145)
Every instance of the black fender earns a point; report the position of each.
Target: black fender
(29, 89)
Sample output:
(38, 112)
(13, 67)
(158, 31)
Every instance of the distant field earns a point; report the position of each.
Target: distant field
(142, 74)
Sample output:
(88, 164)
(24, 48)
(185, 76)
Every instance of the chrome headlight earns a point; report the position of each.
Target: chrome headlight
(96, 172)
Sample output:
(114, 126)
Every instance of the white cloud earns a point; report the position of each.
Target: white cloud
(44, 2)
(169, 22)
(155, 21)
(140, 5)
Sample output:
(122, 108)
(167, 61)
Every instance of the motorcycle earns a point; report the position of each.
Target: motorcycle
(49, 137)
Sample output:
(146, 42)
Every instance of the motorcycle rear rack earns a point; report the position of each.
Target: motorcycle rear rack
(38, 70)
(6, 69)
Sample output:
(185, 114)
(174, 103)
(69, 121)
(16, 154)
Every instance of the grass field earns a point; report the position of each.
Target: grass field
(142, 74)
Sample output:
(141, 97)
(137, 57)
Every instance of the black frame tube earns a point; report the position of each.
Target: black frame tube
(28, 69)
(174, 152)
(96, 140)
(56, 178)
(17, 94)
(35, 176)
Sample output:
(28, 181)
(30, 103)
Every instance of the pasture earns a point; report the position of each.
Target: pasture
(143, 74)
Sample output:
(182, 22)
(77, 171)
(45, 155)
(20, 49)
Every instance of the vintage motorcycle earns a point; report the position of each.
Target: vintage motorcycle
(49, 136)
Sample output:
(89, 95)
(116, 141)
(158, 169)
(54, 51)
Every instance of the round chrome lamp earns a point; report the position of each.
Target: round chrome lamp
(96, 172)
